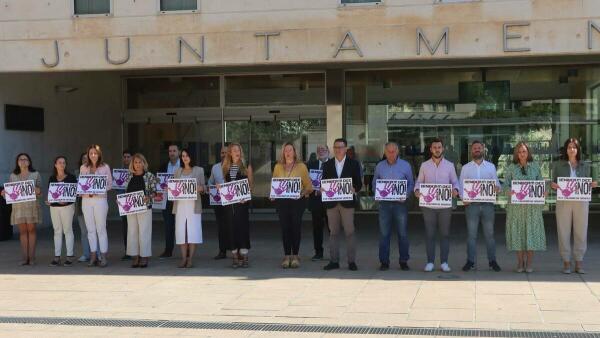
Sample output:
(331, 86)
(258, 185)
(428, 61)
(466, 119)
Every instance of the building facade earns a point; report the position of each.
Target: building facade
(140, 74)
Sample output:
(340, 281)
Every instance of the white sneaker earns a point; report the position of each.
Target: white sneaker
(428, 267)
(83, 259)
(445, 267)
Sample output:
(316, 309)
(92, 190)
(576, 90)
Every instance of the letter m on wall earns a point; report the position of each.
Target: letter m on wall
(432, 49)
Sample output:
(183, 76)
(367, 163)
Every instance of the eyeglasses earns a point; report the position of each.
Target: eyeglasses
(24, 160)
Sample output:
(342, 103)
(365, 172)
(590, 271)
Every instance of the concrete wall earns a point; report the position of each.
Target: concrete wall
(91, 114)
(310, 31)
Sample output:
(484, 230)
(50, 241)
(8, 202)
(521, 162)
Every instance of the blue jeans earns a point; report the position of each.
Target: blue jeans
(484, 213)
(393, 215)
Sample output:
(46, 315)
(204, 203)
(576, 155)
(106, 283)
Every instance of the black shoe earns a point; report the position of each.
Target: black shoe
(404, 266)
(384, 266)
(494, 266)
(352, 266)
(126, 258)
(468, 266)
(55, 262)
(317, 257)
(221, 255)
(69, 261)
(331, 266)
(165, 255)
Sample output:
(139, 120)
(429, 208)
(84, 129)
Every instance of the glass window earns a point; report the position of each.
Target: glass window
(85, 7)
(173, 92)
(178, 5)
(275, 89)
(543, 106)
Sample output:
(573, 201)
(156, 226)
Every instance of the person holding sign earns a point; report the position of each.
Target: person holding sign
(290, 210)
(62, 213)
(236, 215)
(188, 213)
(572, 215)
(484, 185)
(340, 214)
(139, 225)
(524, 222)
(436, 203)
(126, 158)
(393, 213)
(168, 217)
(317, 209)
(95, 206)
(25, 214)
(225, 233)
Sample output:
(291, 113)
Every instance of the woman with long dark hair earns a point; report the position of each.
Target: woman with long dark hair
(571, 216)
(62, 214)
(26, 214)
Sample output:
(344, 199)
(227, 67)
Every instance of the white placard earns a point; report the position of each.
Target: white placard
(288, 187)
(131, 203)
(528, 192)
(163, 179)
(574, 189)
(60, 192)
(235, 192)
(160, 201)
(92, 184)
(19, 192)
(182, 189)
(391, 190)
(337, 189)
(435, 195)
(213, 195)
(315, 178)
(477, 190)
(120, 177)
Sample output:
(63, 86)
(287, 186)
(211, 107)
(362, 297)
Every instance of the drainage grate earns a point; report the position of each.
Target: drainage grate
(276, 327)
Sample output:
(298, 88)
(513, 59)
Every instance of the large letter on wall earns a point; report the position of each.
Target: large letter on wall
(267, 35)
(354, 46)
(508, 36)
(116, 62)
(198, 54)
(591, 27)
(445, 36)
(56, 57)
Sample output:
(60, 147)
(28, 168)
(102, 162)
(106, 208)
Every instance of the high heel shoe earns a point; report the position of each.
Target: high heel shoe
(183, 263)
(135, 262)
(144, 263)
(93, 260)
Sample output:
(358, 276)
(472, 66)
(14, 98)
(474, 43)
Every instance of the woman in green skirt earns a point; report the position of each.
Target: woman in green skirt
(524, 222)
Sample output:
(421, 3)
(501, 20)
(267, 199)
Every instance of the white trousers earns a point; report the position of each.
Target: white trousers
(139, 234)
(62, 222)
(95, 210)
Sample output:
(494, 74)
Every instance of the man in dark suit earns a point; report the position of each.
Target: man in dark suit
(341, 214)
(168, 217)
(317, 209)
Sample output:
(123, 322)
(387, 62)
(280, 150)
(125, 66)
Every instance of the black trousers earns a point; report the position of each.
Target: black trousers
(319, 220)
(290, 217)
(124, 230)
(225, 232)
(169, 219)
(237, 218)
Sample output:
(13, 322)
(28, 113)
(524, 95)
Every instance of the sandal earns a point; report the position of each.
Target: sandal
(183, 263)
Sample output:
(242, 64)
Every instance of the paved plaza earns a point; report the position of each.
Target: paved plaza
(212, 292)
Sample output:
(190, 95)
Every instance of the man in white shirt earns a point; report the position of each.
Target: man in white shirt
(479, 212)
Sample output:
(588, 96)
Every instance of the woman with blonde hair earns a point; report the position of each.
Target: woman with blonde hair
(236, 215)
(524, 222)
(139, 226)
(290, 211)
(95, 206)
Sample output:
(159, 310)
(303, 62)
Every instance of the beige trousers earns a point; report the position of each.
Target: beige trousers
(338, 218)
(572, 216)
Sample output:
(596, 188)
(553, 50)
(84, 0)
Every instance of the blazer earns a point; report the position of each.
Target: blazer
(352, 170)
(563, 169)
(198, 174)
